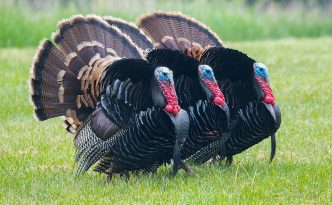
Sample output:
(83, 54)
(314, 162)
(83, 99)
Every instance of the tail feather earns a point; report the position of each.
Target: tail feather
(46, 113)
(131, 30)
(67, 77)
(72, 37)
(169, 29)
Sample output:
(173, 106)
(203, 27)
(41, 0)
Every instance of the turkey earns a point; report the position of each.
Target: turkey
(123, 110)
(196, 88)
(244, 82)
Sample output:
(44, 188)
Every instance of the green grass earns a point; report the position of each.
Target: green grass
(22, 26)
(36, 159)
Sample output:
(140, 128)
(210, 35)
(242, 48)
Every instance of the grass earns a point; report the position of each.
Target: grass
(36, 159)
(24, 26)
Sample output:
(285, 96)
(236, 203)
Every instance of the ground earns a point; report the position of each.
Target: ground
(36, 158)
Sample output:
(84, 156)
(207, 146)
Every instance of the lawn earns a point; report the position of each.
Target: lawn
(36, 159)
(22, 25)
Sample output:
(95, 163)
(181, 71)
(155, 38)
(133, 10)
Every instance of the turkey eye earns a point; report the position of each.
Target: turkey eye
(260, 71)
(207, 73)
(163, 75)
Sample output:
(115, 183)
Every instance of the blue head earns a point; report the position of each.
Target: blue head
(164, 74)
(261, 71)
(209, 84)
(208, 73)
(163, 90)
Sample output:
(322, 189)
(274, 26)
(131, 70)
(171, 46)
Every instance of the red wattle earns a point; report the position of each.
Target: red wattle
(269, 100)
(171, 98)
(175, 111)
(219, 101)
(219, 96)
(169, 108)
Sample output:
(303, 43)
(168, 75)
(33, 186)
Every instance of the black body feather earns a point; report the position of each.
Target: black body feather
(250, 125)
(144, 144)
(235, 74)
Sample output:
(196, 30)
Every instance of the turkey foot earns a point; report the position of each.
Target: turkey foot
(185, 168)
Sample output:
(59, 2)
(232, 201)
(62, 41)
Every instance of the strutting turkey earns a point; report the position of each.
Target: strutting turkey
(123, 110)
(245, 83)
(196, 88)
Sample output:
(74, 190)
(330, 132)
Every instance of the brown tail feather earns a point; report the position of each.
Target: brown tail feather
(67, 77)
(176, 31)
(131, 30)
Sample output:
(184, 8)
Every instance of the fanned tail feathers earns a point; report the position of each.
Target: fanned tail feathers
(67, 77)
(178, 32)
(132, 31)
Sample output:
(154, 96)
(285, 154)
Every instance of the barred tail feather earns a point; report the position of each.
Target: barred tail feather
(131, 30)
(44, 85)
(67, 77)
(177, 31)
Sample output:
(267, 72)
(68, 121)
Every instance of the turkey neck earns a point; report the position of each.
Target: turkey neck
(181, 124)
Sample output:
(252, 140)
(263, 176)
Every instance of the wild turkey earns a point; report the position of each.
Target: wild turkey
(123, 110)
(262, 124)
(240, 78)
(196, 88)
